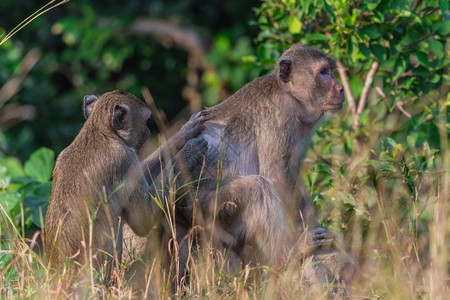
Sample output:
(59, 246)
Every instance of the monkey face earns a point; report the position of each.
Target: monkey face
(330, 92)
(139, 130)
(307, 75)
(145, 135)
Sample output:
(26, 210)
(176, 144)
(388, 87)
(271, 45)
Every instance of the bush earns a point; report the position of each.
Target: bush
(378, 172)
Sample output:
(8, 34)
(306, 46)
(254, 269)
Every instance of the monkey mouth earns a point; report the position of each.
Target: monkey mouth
(333, 106)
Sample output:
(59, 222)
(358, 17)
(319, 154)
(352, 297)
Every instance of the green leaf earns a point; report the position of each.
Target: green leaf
(40, 164)
(37, 196)
(370, 31)
(4, 179)
(379, 52)
(389, 142)
(353, 49)
(222, 44)
(262, 20)
(13, 166)
(435, 78)
(399, 68)
(329, 10)
(442, 27)
(317, 37)
(351, 19)
(392, 104)
(407, 83)
(38, 206)
(364, 50)
(399, 5)
(9, 200)
(294, 25)
(378, 17)
(437, 48)
(423, 58)
(443, 4)
(324, 170)
(370, 4)
(249, 59)
(5, 260)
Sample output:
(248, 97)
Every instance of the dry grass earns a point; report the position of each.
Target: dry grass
(395, 261)
(392, 208)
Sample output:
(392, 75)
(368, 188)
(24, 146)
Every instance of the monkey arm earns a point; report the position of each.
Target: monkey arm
(155, 163)
(176, 173)
(138, 209)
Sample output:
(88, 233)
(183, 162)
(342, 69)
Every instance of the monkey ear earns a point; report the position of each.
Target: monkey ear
(284, 71)
(88, 104)
(120, 117)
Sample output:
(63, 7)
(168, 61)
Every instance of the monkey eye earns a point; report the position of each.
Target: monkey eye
(150, 123)
(324, 71)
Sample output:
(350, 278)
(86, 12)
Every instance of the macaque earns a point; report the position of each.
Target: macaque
(257, 139)
(99, 183)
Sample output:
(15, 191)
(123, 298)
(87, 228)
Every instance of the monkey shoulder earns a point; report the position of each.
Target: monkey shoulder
(77, 167)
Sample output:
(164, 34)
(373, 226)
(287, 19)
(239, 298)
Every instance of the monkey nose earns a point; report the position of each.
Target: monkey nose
(340, 88)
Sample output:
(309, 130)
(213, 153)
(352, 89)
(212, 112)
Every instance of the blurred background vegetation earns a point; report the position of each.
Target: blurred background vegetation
(378, 171)
(87, 47)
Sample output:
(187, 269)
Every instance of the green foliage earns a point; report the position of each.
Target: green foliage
(408, 43)
(234, 66)
(407, 39)
(86, 49)
(377, 172)
(379, 166)
(26, 187)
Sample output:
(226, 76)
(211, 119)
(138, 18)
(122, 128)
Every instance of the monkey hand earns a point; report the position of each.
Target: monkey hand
(314, 240)
(193, 151)
(201, 116)
(192, 128)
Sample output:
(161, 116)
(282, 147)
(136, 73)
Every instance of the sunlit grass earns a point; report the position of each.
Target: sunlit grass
(397, 259)
(392, 205)
(49, 6)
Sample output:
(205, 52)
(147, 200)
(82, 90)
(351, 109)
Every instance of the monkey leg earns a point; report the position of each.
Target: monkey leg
(330, 271)
(250, 211)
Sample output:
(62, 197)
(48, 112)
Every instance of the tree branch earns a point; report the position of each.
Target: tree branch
(346, 83)
(13, 85)
(169, 34)
(399, 103)
(365, 93)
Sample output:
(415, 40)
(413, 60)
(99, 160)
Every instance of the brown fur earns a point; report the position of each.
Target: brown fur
(98, 183)
(257, 139)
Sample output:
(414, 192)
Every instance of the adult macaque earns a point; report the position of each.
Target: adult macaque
(99, 184)
(257, 139)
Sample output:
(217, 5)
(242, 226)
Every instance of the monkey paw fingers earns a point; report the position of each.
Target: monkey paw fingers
(320, 237)
(201, 116)
(189, 131)
(314, 240)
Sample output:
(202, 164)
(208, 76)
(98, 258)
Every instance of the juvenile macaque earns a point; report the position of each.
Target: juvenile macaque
(257, 139)
(99, 183)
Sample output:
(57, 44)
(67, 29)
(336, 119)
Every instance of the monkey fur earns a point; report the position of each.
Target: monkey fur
(257, 139)
(99, 183)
